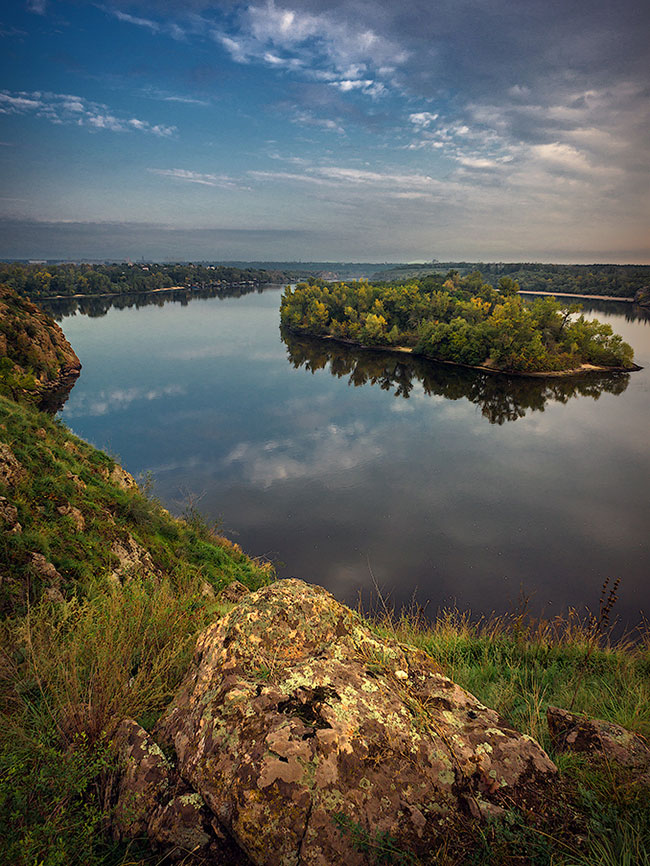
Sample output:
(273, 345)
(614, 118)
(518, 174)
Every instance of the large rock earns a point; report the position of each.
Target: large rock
(295, 722)
(613, 743)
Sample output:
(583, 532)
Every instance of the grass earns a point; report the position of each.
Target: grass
(71, 670)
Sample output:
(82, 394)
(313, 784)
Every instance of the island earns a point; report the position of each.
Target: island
(459, 320)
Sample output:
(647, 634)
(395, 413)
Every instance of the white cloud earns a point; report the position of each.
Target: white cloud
(38, 7)
(203, 179)
(422, 119)
(323, 46)
(65, 108)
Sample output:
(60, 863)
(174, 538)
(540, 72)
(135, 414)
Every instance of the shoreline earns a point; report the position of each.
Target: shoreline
(584, 369)
(573, 295)
(134, 292)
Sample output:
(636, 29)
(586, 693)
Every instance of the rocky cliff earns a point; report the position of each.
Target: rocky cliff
(37, 363)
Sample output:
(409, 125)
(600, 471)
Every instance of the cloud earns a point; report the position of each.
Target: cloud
(38, 7)
(423, 119)
(64, 108)
(319, 44)
(203, 179)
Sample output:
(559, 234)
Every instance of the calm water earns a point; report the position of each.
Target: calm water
(351, 469)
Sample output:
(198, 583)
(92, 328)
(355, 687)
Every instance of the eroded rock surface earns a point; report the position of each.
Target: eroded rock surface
(614, 743)
(132, 559)
(293, 715)
(11, 471)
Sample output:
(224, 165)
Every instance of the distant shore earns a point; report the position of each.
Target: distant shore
(573, 295)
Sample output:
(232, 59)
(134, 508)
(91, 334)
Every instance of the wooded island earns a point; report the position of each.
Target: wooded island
(462, 320)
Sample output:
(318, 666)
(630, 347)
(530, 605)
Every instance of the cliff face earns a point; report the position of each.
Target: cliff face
(37, 364)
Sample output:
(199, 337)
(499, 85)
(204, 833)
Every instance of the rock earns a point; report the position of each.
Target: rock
(207, 591)
(9, 515)
(293, 719)
(234, 592)
(76, 516)
(132, 558)
(44, 569)
(152, 801)
(122, 479)
(576, 733)
(11, 471)
(144, 783)
(79, 483)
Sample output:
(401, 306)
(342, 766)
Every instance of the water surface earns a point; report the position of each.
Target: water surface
(359, 469)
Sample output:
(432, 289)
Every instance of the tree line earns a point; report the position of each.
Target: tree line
(459, 319)
(41, 281)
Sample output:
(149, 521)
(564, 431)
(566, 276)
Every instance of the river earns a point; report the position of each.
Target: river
(370, 473)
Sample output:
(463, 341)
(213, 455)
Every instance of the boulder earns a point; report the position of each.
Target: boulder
(614, 743)
(44, 569)
(303, 732)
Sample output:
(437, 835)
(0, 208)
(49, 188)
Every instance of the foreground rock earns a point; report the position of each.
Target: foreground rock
(295, 724)
(612, 743)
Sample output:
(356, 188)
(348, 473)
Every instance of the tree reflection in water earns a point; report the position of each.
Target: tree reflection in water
(501, 398)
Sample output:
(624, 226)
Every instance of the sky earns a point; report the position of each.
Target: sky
(328, 130)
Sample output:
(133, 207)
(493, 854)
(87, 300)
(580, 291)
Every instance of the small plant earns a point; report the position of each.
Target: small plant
(598, 625)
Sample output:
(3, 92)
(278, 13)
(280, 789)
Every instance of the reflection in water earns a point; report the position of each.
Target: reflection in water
(501, 398)
(98, 305)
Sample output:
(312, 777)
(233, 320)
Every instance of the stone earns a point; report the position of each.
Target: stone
(122, 479)
(44, 569)
(75, 515)
(295, 721)
(614, 743)
(144, 783)
(9, 515)
(11, 471)
(132, 558)
(234, 592)
(153, 801)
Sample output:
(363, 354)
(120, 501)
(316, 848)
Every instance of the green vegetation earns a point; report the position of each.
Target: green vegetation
(43, 281)
(618, 281)
(463, 320)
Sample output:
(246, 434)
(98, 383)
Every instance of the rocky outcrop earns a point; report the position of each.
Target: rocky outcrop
(37, 364)
(11, 472)
(131, 558)
(612, 743)
(295, 723)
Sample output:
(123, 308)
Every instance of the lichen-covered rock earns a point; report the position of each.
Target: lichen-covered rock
(614, 743)
(144, 783)
(132, 559)
(152, 801)
(11, 471)
(294, 719)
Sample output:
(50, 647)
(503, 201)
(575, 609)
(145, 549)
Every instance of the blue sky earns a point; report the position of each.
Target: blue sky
(326, 130)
